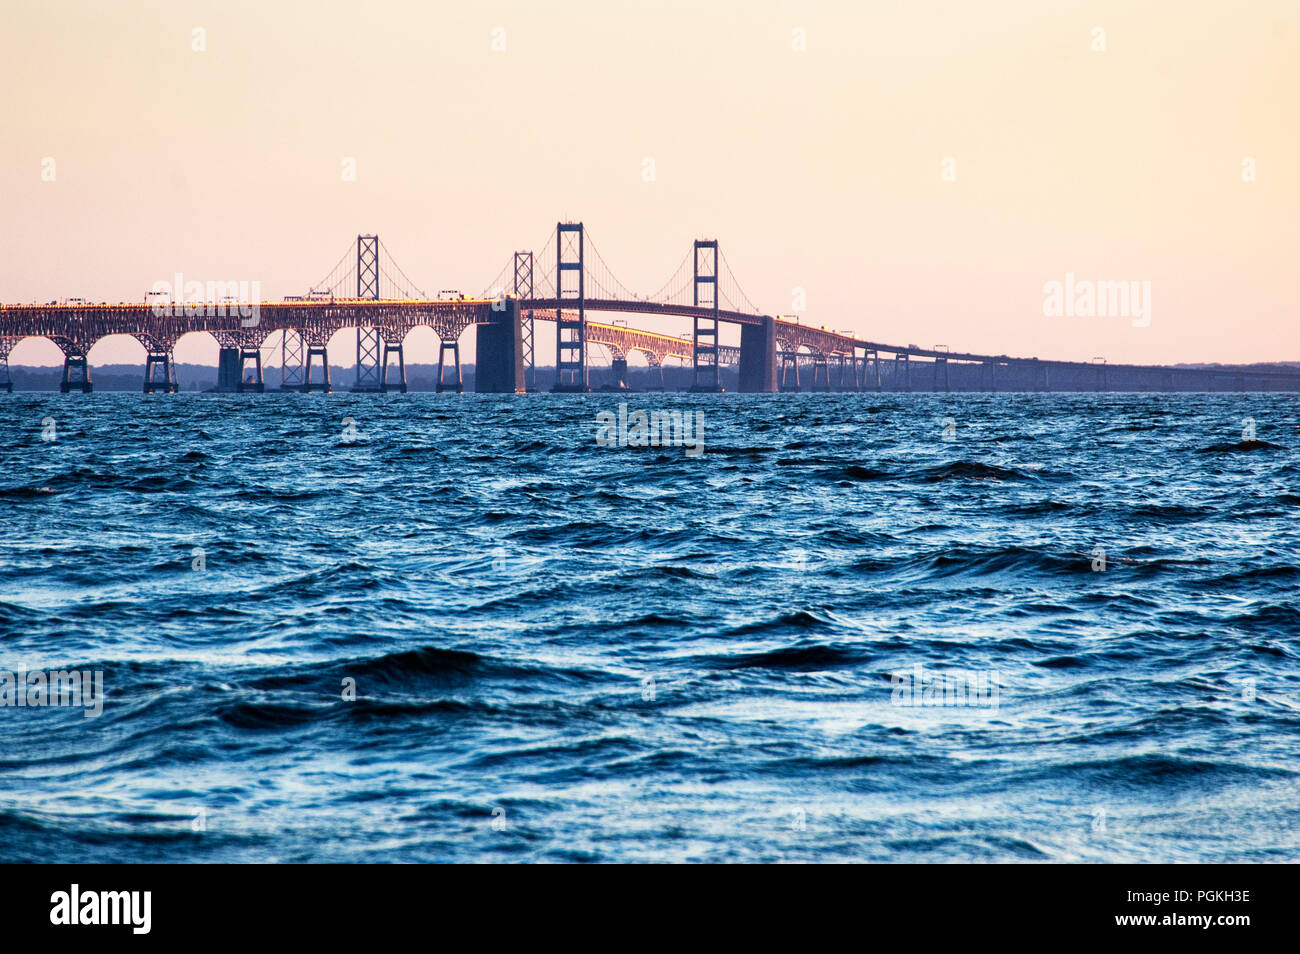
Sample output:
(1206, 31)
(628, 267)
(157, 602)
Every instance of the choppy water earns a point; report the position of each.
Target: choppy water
(564, 652)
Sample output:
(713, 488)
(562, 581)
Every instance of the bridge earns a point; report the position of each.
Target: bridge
(367, 292)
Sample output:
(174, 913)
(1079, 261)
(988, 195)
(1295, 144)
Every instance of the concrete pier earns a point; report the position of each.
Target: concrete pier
(499, 353)
(76, 375)
(758, 357)
(228, 370)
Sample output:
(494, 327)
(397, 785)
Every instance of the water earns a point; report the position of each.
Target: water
(564, 652)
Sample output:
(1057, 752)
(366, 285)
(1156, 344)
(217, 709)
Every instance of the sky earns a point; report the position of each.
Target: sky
(917, 172)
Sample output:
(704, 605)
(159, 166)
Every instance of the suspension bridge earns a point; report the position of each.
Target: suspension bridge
(366, 291)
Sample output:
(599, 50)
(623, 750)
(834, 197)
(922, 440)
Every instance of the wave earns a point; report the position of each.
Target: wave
(1240, 447)
(26, 493)
(856, 472)
(815, 657)
(957, 470)
(972, 470)
(802, 619)
(1159, 769)
(980, 561)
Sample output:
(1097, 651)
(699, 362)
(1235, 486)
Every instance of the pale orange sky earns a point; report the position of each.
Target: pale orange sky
(817, 169)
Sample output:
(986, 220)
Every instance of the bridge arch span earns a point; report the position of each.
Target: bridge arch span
(45, 343)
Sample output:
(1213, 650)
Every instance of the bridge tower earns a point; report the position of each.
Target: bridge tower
(372, 364)
(524, 290)
(705, 287)
(570, 333)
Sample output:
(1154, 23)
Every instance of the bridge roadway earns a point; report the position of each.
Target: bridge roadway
(75, 328)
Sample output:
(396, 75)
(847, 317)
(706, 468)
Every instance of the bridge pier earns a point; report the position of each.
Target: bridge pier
(904, 359)
(657, 362)
(458, 385)
(6, 383)
(314, 350)
(498, 354)
(840, 386)
(159, 361)
(758, 357)
(228, 369)
(789, 362)
(76, 375)
(253, 382)
(821, 373)
(938, 362)
(619, 368)
(236, 350)
(389, 349)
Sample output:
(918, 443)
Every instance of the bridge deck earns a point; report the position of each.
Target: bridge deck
(80, 325)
